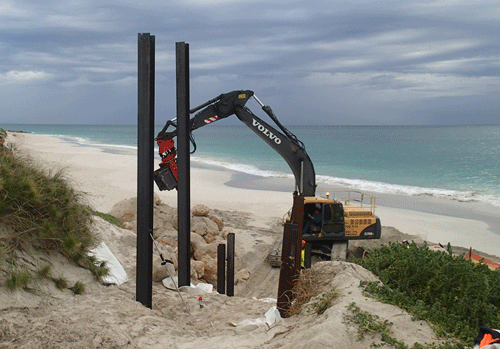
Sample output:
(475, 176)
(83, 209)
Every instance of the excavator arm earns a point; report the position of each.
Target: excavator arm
(283, 142)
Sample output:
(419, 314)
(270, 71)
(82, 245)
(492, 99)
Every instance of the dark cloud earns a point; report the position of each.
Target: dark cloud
(314, 62)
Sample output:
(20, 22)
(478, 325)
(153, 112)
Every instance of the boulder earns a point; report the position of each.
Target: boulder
(197, 270)
(160, 271)
(210, 270)
(200, 211)
(164, 216)
(197, 241)
(168, 252)
(226, 231)
(211, 236)
(217, 221)
(203, 225)
(130, 226)
(125, 210)
(241, 275)
(205, 250)
(167, 237)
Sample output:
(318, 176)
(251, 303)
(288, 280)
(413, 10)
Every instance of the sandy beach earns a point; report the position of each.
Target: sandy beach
(109, 317)
(107, 177)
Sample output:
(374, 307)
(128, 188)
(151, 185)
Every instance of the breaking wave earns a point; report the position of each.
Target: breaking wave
(362, 185)
(355, 184)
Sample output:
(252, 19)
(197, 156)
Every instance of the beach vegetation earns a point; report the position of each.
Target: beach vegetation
(45, 271)
(454, 295)
(18, 279)
(40, 211)
(324, 301)
(309, 284)
(108, 218)
(372, 325)
(78, 288)
(60, 282)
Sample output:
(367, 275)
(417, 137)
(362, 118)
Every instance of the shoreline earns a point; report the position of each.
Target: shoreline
(108, 177)
(423, 204)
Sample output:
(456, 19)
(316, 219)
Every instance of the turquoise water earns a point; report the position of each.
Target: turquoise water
(454, 162)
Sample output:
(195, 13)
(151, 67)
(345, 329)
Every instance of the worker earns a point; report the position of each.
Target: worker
(312, 220)
(303, 255)
(487, 339)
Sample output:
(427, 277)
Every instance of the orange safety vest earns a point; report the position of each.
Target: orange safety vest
(487, 336)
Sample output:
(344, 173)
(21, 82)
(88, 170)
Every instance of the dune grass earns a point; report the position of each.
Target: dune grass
(42, 213)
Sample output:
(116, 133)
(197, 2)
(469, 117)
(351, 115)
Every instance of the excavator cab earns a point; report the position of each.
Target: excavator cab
(323, 220)
(333, 220)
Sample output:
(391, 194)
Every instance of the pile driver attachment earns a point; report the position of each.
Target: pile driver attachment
(166, 176)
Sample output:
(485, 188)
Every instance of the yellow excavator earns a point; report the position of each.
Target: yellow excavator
(325, 223)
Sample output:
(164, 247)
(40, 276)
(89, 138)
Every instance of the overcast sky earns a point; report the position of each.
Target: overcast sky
(314, 62)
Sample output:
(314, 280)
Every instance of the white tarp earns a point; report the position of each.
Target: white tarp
(271, 317)
(117, 275)
(200, 289)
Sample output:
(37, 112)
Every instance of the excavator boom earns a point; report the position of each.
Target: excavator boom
(283, 141)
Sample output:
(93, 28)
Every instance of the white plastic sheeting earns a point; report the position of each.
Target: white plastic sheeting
(199, 289)
(270, 318)
(117, 275)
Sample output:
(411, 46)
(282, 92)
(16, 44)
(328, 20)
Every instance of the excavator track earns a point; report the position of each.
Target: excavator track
(274, 257)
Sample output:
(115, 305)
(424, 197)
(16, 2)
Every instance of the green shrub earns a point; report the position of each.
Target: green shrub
(44, 212)
(455, 295)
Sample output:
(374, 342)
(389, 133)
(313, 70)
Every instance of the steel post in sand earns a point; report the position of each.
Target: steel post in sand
(145, 142)
(290, 256)
(183, 163)
(221, 268)
(230, 264)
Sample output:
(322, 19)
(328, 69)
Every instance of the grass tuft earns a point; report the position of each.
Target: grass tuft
(45, 271)
(61, 283)
(18, 280)
(78, 288)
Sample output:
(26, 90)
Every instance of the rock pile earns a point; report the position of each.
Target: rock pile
(207, 232)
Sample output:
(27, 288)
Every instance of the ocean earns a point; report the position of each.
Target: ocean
(459, 163)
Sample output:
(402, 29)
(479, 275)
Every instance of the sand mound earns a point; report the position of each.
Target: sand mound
(109, 317)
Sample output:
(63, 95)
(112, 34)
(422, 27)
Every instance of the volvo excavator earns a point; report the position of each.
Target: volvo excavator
(325, 223)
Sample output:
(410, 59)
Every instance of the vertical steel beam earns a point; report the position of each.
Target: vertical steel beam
(290, 256)
(145, 143)
(287, 269)
(230, 264)
(183, 162)
(221, 268)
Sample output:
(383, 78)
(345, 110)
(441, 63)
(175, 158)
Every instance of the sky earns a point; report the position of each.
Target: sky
(315, 62)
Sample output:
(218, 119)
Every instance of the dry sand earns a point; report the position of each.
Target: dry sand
(109, 317)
